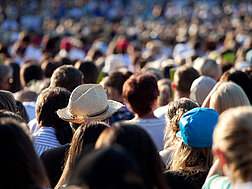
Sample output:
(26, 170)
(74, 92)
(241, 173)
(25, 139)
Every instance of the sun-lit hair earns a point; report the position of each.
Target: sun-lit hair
(228, 95)
(175, 110)
(232, 136)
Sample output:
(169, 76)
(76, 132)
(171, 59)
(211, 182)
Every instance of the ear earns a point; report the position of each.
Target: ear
(221, 157)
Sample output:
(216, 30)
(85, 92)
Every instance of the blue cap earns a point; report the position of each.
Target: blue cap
(197, 126)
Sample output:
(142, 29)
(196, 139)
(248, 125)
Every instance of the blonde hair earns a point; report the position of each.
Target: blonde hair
(175, 110)
(189, 158)
(232, 136)
(228, 95)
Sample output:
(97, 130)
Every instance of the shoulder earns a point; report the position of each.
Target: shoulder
(217, 181)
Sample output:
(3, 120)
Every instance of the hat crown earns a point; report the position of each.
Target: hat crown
(88, 100)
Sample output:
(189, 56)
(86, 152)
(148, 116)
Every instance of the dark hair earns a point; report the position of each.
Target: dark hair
(66, 76)
(140, 91)
(48, 102)
(84, 139)
(11, 115)
(89, 71)
(48, 67)
(116, 80)
(22, 111)
(19, 161)
(185, 75)
(137, 141)
(29, 72)
(7, 101)
(15, 85)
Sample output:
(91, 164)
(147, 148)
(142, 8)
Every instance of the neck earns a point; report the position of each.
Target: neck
(146, 116)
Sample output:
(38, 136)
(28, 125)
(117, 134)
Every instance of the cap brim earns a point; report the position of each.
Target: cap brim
(113, 107)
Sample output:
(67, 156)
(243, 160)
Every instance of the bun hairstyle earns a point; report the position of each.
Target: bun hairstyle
(233, 135)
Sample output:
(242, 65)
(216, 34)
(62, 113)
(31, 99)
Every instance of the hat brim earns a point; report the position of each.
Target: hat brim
(113, 107)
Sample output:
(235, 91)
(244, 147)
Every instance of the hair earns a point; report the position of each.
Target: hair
(116, 80)
(19, 161)
(241, 79)
(165, 92)
(186, 158)
(29, 72)
(209, 68)
(22, 111)
(137, 141)
(89, 71)
(6, 72)
(48, 67)
(228, 95)
(141, 91)
(232, 136)
(15, 85)
(183, 79)
(83, 140)
(66, 76)
(7, 101)
(8, 114)
(175, 110)
(48, 102)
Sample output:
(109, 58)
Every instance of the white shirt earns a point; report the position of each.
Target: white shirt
(45, 139)
(154, 127)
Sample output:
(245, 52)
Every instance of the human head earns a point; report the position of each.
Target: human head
(48, 102)
(208, 68)
(66, 76)
(83, 140)
(89, 71)
(29, 72)
(137, 141)
(7, 101)
(165, 92)
(241, 79)
(19, 161)
(231, 140)
(175, 110)
(113, 84)
(140, 91)
(107, 168)
(194, 147)
(228, 95)
(6, 73)
(200, 88)
(15, 83)
(183, 79)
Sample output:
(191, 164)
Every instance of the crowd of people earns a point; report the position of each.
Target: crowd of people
(126, 94)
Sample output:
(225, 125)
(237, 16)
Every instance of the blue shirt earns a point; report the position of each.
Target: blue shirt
(45, 139)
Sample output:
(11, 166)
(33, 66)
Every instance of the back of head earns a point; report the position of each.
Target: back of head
(200, 88)
(183, 79)
(209, 68)
(19, 162)
(232, 136)
(137, 141)
(6, 73)
(175, 110)
(66, 76)
(29, 72)
(116, 80)
(241, 79)
(228, 95)
(141, 91)
(165, 92)
(48, 102)
(7, 101)
(89, 71)
(108, 168)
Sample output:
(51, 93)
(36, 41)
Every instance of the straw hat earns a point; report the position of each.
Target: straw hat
(88, 102)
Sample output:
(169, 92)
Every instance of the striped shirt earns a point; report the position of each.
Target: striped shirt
(45, 138)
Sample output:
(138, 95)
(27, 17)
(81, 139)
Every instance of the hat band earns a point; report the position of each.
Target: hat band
(91, 115)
